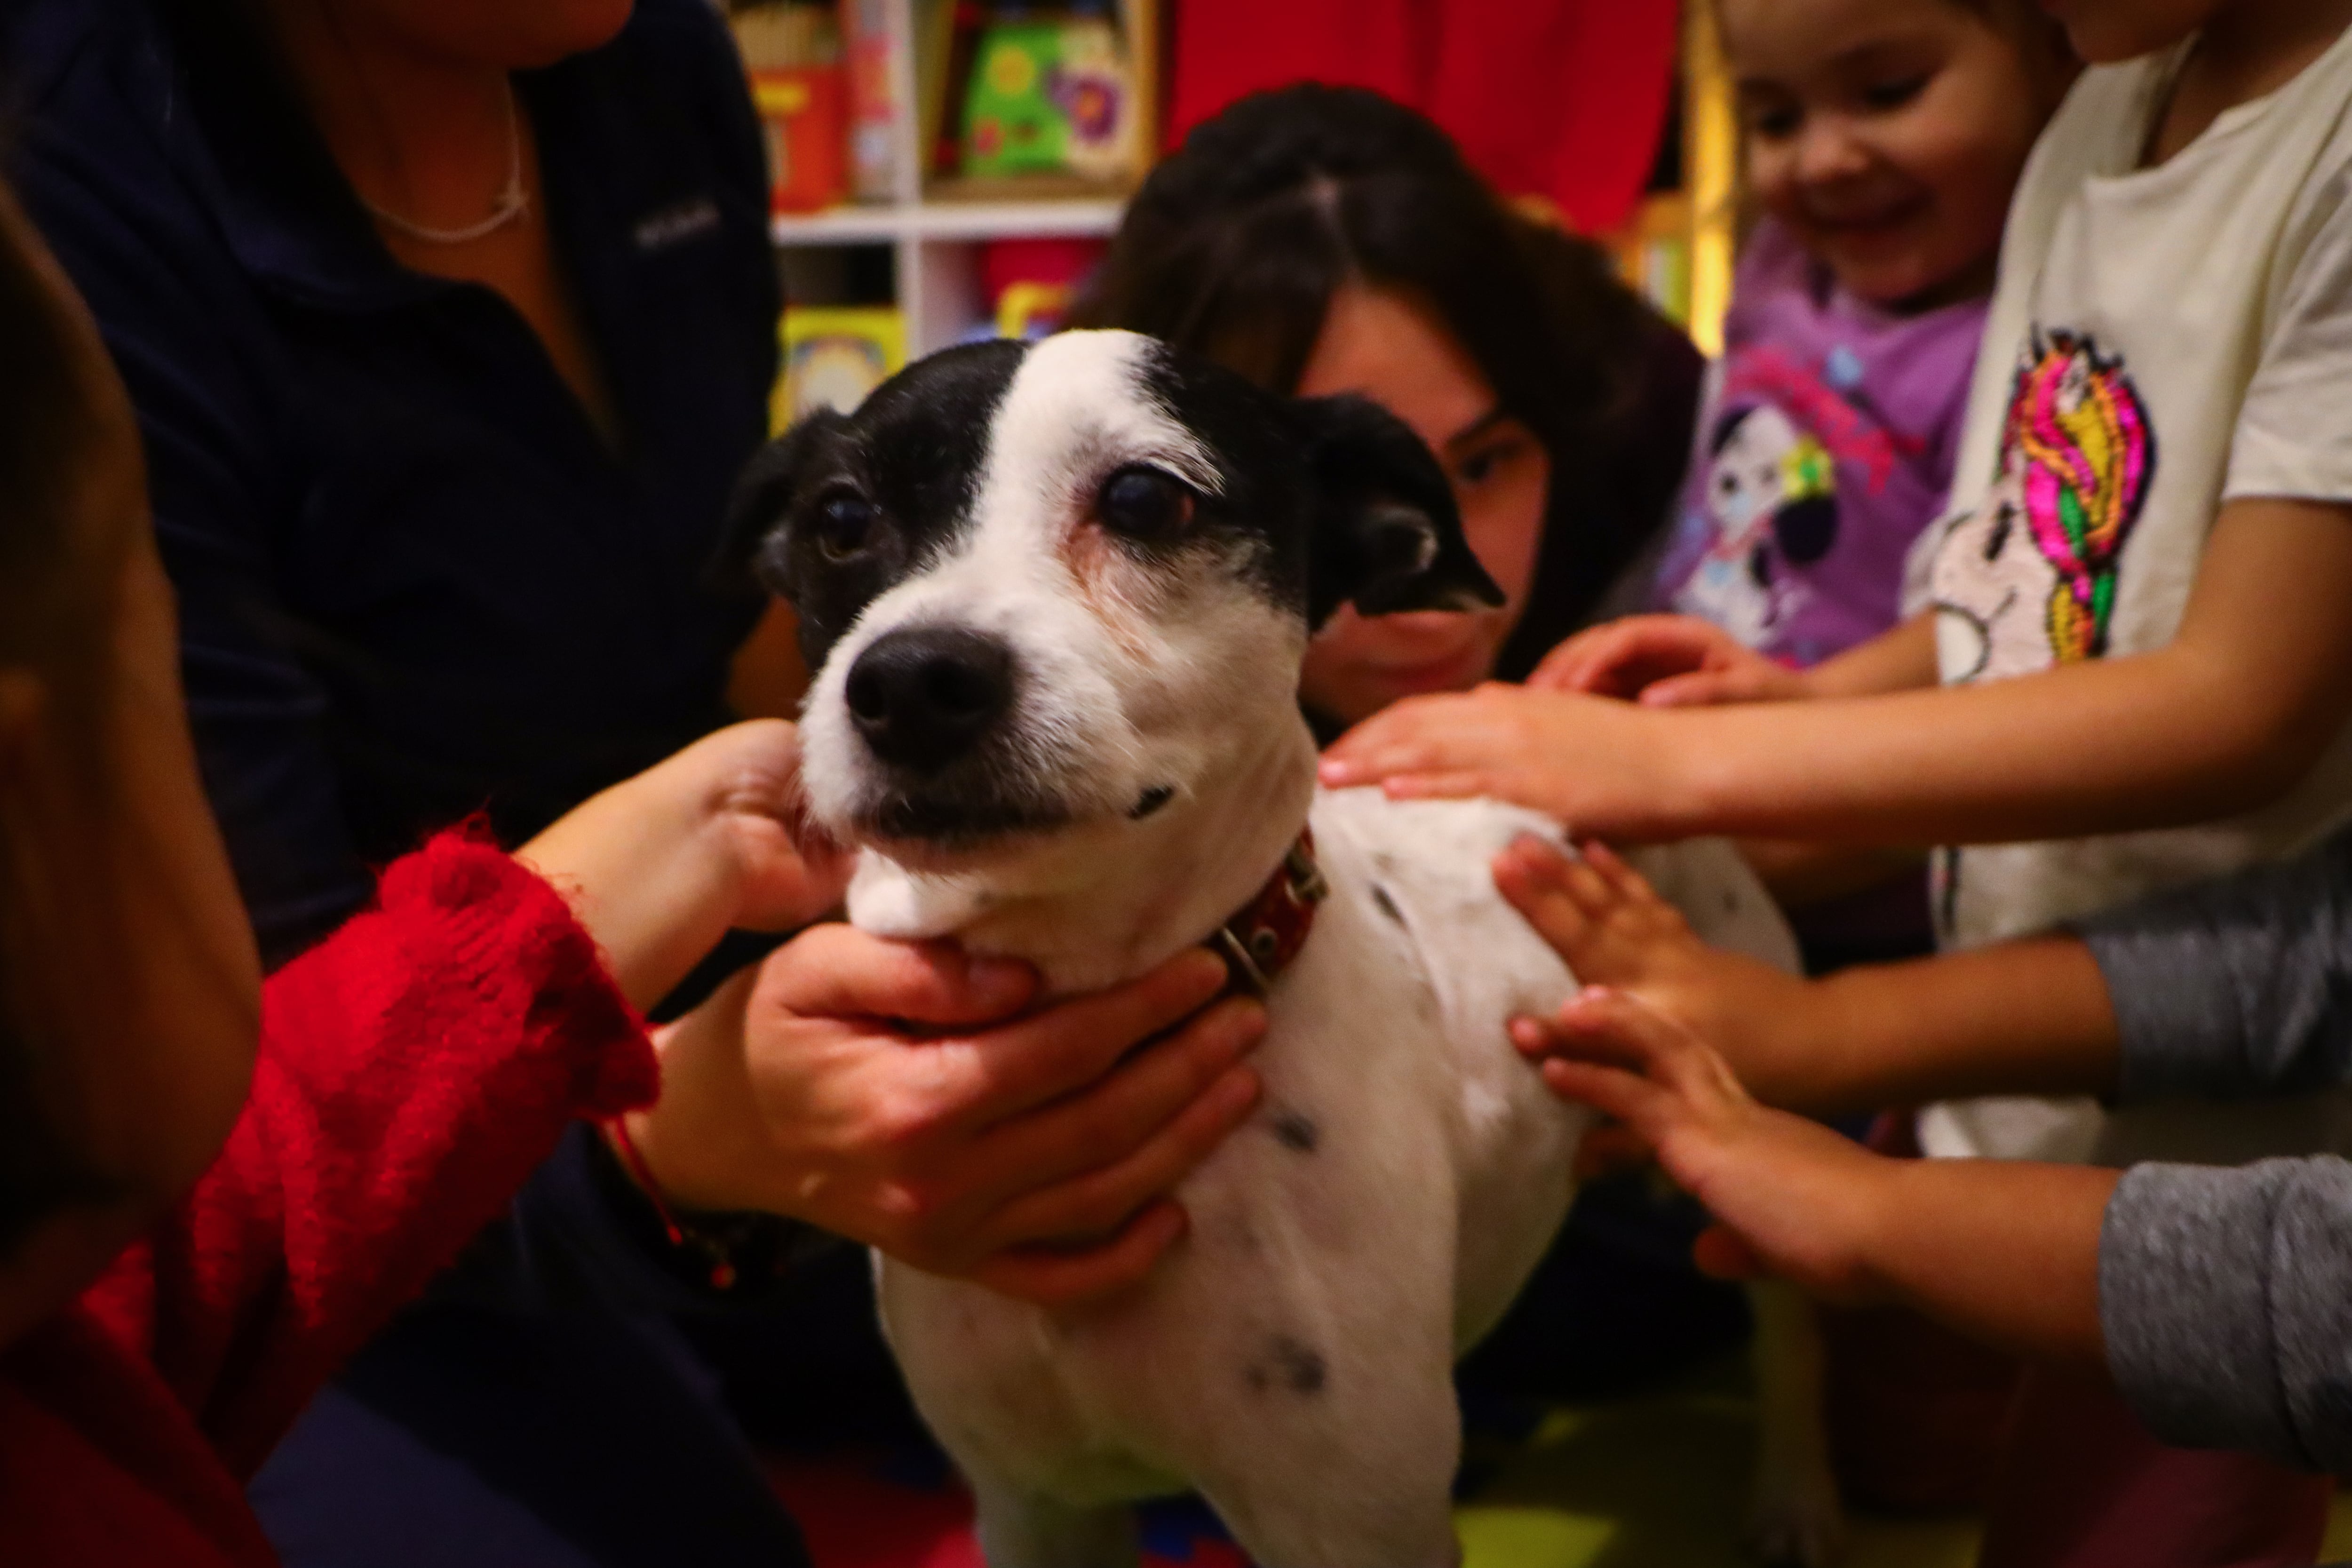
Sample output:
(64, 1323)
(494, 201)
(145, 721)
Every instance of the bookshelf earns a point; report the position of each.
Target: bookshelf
(932, 225)
(1677, 247)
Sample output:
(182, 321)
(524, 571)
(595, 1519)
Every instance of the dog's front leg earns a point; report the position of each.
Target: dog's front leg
(1794, 1517)
(1022, 1530)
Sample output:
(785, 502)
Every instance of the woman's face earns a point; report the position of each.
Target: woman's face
(1392, 349)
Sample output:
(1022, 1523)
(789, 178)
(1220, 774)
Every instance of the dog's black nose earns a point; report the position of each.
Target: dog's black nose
(923, 698)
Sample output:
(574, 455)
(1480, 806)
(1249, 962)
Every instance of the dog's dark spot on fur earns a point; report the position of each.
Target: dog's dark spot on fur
(1387, 904)
(1296, 1130)
(1151, 800)
(1731, 902)
(1290, 1364)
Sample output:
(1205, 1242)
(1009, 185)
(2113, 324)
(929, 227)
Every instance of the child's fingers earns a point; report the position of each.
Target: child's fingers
(1410, 736)
(1576, 1034)
(1528, 874)
(1698, 688)
(1673, 1056)
(1586, 662)
(1584, 886)
(1629, 1097)
(1721, 1254)
(1445, 786)
(1621, 878)
(1534, 1036)
(1534, 858)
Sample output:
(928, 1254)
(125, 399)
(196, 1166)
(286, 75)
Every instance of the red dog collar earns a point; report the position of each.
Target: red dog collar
(1260, 941)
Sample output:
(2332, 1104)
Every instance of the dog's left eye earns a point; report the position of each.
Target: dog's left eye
(1144, 502)
(841, 525)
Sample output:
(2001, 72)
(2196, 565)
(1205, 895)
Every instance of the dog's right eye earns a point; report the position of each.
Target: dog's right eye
(842, 525)
(1144, 503)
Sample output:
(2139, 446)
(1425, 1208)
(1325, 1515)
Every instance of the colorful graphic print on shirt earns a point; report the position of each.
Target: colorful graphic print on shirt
(2028, 579)
(1770, 502)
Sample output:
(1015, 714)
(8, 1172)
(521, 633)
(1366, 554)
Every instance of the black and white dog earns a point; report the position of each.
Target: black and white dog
(1056, 599)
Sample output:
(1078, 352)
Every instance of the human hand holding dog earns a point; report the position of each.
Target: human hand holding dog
(894, 1093)
(661, 865)
(2004, 1251)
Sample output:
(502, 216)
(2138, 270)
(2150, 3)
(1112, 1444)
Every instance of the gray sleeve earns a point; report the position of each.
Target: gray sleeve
(2225, 1297)
(2234, 988)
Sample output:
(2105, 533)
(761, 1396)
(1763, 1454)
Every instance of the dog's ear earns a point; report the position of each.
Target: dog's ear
(763, 494)
(1386, 535)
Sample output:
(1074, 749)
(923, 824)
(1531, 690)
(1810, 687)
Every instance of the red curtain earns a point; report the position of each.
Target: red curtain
(1560, 99)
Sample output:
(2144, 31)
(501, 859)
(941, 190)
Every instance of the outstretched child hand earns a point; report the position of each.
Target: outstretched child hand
(2005, 1251)
(1613, 929)
(1789, 1196)
(1665, 661)
(1599, 765)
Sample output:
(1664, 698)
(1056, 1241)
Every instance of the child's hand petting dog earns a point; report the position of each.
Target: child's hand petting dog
(1614, 931)
(2005, 1251)
(1666, 661)
(898, 1093)
(1789, 1196)
(1514, 744)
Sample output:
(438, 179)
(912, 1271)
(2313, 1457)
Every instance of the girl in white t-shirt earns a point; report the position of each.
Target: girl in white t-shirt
(2130, 664)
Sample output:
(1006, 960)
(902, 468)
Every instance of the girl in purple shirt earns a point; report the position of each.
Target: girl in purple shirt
(1882, 144)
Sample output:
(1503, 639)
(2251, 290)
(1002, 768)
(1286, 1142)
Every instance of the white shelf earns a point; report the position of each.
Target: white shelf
(881, 225)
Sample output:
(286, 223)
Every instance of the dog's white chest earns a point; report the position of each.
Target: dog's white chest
(1328, 1255)
(1403, 1174)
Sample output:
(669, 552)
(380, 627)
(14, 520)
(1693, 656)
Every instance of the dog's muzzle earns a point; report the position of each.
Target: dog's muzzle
(924, 698)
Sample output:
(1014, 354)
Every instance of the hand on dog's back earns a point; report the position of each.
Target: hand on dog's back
(893, 1093)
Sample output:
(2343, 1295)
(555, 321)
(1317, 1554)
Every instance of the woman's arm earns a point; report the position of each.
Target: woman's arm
(2227, 717)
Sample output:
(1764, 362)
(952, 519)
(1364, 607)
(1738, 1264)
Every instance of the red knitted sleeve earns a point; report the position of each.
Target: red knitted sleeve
(414, 1069)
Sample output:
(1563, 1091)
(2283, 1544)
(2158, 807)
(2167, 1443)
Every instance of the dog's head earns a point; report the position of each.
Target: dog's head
(1045, 586)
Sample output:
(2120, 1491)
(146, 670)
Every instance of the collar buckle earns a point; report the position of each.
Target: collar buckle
(1262, 939)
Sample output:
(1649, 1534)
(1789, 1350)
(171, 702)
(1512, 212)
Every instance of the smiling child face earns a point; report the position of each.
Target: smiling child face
(1886, 135)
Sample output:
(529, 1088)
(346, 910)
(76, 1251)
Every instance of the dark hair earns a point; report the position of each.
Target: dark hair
(2039, 38)
(49, 563)
(1236, 243)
